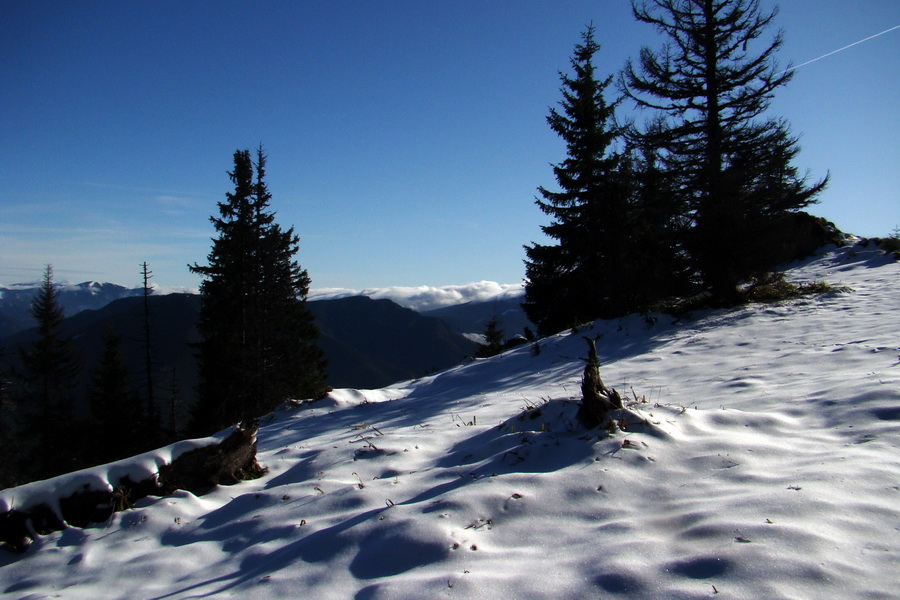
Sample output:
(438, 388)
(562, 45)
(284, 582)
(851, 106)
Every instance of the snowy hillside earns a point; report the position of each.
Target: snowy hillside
(771, 470)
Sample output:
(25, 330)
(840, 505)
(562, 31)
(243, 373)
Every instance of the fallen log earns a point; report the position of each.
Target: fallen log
(196, 471)
(199, 470)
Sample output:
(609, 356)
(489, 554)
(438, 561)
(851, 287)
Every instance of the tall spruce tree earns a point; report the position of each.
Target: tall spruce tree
(258, 337)
(654, 261)
(711, 84)
(117, 428)
(580, 277)
(49, 369)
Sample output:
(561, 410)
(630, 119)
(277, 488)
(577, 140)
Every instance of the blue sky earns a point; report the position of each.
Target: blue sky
(406, 139)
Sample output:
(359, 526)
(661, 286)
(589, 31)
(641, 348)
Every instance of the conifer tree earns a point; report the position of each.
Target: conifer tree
(50, 367)
(711, 84)
(258, 337)
(493, 338)
(174, 405)
(580, 277)
(654, 261)
(8, 467)
(116, 423)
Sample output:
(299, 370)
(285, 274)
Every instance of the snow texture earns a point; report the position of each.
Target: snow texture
(769, 469)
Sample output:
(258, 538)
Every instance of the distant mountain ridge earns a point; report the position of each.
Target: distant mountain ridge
(15, 301)
(373, 343)
(426, 298)
(466, 308)
(368, 343)
(473, 317)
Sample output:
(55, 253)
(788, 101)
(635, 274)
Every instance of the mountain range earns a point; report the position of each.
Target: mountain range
(369, 343)
(15, 301)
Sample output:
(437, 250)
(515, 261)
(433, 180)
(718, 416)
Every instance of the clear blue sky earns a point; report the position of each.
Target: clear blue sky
(406, 139)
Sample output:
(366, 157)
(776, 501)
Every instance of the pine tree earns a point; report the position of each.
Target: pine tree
(493, 338)
(8, 466)
(580, 277)
(174, 405)
(50, 368)
(258, 337)
(654, 261)
(731, 166)
(116, 425)
(5, 383)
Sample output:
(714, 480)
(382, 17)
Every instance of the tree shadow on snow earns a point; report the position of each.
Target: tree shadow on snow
(383, 549)
(543, 439)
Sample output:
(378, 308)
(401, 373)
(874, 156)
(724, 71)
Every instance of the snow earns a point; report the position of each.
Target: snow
(769, 469)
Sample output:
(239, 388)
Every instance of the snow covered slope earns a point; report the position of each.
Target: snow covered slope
(771, 471)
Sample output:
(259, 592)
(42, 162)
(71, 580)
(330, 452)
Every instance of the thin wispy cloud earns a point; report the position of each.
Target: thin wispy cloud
(179, 202)
(155, 192)
(109, 251)
(168, 202)
(61, 232)
(13, 208)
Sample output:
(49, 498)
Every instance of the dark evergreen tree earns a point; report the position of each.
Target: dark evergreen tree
(8, 449)
(731, 165)
(174, 405)
(654, 261)
(116, 426)
(493, 339)
(258, 337)
(582, 276)
(50, 368)
(5, 383)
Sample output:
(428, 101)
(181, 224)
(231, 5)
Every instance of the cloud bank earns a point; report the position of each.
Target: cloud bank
(423, 298)
(420, 298)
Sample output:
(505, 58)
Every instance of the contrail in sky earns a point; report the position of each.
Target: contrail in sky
(842, 49)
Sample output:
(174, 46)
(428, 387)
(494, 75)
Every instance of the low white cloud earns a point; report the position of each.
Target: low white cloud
(165, 290)
(423, 298)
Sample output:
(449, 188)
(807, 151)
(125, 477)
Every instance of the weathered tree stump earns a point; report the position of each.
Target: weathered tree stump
(597, 400)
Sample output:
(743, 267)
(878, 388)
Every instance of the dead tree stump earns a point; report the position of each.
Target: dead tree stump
(597, 400)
